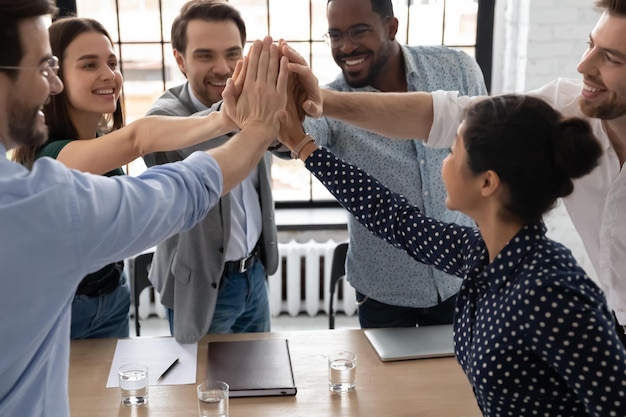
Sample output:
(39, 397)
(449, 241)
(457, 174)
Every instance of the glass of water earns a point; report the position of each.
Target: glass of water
(213, 399)
(341, 371)
(133, 380)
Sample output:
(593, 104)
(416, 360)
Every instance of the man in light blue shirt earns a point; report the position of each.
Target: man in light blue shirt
(57, 224)
(392, 289)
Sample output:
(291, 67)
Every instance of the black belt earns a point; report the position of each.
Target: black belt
(241, 265)
(105, 285)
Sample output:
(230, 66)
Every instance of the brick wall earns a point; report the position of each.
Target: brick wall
(537, 41)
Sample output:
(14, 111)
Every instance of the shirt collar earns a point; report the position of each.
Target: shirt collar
(503, 268)
(194, 100)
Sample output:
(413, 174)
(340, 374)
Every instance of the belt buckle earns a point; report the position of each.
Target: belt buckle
(241, 268)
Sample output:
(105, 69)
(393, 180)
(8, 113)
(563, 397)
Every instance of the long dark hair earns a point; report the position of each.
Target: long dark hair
(535, 152)
(60, 127)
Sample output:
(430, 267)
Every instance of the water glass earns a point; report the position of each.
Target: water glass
(213, 399)
(133, 381)
(341, 371)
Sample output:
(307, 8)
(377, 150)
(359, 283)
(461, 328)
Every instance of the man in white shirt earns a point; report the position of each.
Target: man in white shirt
(596, 205)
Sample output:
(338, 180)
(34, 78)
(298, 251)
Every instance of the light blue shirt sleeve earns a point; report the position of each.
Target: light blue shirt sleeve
(57, 225)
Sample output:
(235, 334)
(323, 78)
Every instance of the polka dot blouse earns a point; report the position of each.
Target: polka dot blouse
(532, 332)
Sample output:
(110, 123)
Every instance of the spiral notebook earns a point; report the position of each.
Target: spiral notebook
(252, 368)
(402, 343)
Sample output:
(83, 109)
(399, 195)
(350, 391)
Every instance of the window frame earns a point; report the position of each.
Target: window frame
(482, 46)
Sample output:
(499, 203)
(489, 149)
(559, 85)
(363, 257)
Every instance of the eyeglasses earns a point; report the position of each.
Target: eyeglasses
(356, 34)
(49, 68)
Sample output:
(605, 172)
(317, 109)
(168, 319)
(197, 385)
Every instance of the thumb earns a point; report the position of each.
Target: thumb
(311, 109)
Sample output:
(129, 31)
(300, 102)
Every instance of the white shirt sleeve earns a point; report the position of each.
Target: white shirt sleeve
(448, 109)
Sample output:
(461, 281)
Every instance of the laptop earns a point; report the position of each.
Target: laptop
(402, 343)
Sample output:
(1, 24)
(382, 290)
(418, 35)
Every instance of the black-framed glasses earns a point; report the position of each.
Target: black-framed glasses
(48, 68)
(356, 33)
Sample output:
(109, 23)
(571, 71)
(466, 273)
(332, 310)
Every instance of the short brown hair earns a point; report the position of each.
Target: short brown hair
(11, 12)
(209, 11)
(613, 7)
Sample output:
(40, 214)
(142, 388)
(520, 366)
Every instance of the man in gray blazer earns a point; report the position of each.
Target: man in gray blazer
(212, 278)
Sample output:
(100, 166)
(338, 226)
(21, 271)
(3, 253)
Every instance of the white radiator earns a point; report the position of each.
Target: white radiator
(300, 264)
(303, 265)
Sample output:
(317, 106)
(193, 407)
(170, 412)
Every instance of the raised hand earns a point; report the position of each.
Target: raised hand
(312, 103)
(256, 95)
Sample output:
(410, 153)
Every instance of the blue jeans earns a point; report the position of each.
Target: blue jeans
(373, 314)
(101, 316)
(242, 303)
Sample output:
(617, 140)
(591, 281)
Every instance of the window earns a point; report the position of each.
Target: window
(149, 68)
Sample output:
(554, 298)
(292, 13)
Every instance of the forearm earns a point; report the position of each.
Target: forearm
(241, 154)
(394, 115)
(146, 135)
(161, 133)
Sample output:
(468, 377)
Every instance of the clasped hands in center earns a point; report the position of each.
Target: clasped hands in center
(272, 88)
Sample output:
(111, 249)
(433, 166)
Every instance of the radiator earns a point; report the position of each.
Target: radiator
(301, 282)
(299, 285)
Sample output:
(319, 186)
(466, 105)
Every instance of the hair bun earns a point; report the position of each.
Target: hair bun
(576, 149)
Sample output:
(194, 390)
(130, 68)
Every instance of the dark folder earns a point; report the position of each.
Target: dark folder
(252, 368)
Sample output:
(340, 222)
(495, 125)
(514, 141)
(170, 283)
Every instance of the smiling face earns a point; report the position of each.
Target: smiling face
(92, 77)
(361, 63)
(213, 49)
(603, 67)
(31, 90)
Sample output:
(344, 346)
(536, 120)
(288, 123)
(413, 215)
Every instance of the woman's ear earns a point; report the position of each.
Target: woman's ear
(490, 183)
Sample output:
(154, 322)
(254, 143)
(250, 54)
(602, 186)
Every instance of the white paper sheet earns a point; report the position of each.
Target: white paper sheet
(157, 353)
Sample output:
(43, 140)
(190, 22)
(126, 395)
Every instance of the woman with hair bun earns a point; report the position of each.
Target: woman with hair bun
(532, 331)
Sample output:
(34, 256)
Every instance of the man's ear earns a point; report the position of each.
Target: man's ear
(490, 184)
(180, 61)
(393, 27)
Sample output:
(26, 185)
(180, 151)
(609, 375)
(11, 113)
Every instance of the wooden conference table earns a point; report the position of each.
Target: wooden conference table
(425, 387)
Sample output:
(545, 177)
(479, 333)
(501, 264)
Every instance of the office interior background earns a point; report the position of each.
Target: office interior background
(519, 44)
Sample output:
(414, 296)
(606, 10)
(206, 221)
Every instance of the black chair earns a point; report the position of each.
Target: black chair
(138, 271)
(337, 272)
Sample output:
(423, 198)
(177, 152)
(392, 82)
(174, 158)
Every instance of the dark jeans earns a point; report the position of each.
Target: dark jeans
(373, 314)
(242, 303)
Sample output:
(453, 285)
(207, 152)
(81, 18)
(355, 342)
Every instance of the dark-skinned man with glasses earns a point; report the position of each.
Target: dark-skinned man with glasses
(392, 291)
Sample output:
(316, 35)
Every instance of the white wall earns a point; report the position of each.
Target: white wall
(536, 41)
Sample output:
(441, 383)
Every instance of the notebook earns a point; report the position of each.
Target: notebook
(252, 368)
(396, 344)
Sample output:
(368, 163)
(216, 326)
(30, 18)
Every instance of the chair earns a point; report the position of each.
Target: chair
(337, 272)
(138, 271)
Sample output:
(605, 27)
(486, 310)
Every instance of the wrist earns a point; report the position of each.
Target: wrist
(305, 142)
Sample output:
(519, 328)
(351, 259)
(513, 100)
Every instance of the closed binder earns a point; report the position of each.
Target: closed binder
(252, 368)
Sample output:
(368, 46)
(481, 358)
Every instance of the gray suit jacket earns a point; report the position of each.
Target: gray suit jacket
(187, 268)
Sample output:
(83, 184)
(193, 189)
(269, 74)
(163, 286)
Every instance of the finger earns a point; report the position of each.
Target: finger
(312, 109)
(281, 45)
(228, 95)
(293, 56)
(282, 83)
(253, 61)
(238, 76)
(261, 70)
(273, 65)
